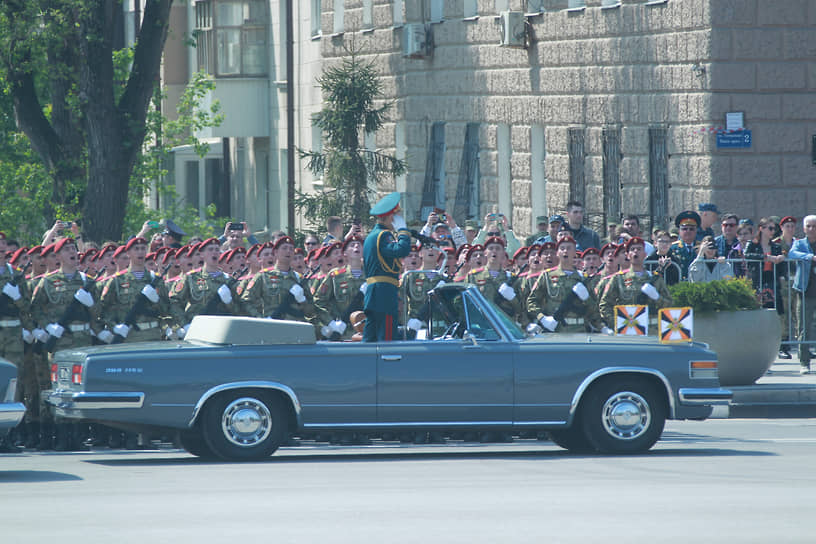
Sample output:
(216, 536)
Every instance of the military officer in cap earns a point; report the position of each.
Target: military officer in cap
(709, 214)
(134, 300)
(687, 223)
(172, 234)
(204, 291)
(279, 292)
(635, 286)
(381, 255)
(341, 292)
(560, 301)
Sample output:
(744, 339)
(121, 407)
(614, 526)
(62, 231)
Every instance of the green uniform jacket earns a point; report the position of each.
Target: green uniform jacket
(121, 292)
(489, 286)
(194, 291)
(51, 299)
(267, 291)
(337, 296)
(624, 289)
(550, 290)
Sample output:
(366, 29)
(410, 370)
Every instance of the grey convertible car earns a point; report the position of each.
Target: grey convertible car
(11, 413)
(238, 388)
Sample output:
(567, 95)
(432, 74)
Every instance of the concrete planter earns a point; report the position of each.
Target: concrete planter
(746, 342)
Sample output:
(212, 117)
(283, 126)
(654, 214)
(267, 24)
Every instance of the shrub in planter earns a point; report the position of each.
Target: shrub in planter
(728, 317)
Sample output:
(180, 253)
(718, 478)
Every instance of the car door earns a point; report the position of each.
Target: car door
(448, 379)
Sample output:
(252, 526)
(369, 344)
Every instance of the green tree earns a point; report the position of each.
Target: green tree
(350, 92)
(85, 121)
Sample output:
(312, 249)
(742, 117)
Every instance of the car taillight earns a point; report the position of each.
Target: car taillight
(76, 374)
(54, 377)
(703, 369)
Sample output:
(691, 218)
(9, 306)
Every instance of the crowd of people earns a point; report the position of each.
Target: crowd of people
(67, 293)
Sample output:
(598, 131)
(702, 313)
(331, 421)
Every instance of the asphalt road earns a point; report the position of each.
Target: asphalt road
(714, 481)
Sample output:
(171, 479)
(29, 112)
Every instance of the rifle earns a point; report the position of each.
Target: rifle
(70, 314)
(140, 306)
(565, 306)
(215, 300)
(16, 278)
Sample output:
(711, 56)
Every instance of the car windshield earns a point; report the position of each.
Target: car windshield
(507, 321)
(455, 312)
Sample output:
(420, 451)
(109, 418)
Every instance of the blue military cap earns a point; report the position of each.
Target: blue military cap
(387, 205)
(686, 218)
(708, 207)
(172, 229)
(556, 217)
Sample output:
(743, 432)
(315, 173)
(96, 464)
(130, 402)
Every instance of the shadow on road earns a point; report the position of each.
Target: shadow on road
(35, 476)
(406, 455)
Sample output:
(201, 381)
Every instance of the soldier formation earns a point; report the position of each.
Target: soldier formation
(56, 297)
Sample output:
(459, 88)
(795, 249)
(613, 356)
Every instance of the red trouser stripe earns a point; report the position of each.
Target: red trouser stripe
(389, 328)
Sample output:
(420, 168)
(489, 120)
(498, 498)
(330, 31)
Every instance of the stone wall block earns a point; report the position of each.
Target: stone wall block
(634, 169)
(520, 195)
(634, 140)
(781, 137)
(758, 43)
(732, 76)
(520, 137)
(787, 12)
(781, 75)
(800, 43)
(719, 47)
(757, 106)
(798, 171)
(798, 106)
(756, 171)
(733, 12)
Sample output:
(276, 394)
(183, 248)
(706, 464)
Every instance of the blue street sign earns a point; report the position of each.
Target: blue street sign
(741, 138)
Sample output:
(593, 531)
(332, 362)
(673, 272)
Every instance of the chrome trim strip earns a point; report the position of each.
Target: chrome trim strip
(69, 400)
(11, 414)
(171, 405)
(704, 396)
(437, 424)
(245, 385)
(615, 370)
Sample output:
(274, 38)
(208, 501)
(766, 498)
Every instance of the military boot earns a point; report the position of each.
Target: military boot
(46, 436)
(62, 434)
(32, 436)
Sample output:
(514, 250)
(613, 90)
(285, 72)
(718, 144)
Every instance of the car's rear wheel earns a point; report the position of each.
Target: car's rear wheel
(244, 426)
(623, 416)
(193, 442)
(572, 439)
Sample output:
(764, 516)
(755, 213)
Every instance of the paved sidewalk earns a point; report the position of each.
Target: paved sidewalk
(782, 393)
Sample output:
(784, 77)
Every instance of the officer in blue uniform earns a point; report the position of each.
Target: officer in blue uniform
(688, 222)
(381, 260)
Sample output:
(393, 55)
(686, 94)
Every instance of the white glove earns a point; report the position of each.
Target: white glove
(28, 338)
(439, 284)
(84, 297)
(338, 326)
(150, 292)
(326, 331)
(506, 291)
(363, 288)
(414, 324)
(122, 330)
(580, 290)
(55, 329)
(40, 335)
(533, 328)
(181, 332)
(297, 292)
(12, 291)
(649, 290)
(606, 330)
(399, 222)
(168, 333)
(105, 336)
(224, 294)
(548, 322)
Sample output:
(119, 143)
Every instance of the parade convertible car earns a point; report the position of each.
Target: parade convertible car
(238, 388)
(11, 413)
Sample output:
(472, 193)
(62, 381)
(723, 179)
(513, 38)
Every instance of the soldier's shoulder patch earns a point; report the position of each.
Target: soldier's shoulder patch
(239, 289)
(179, 286)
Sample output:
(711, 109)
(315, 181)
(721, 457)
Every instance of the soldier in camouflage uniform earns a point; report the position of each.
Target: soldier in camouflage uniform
(131, 290)
(592, 263)
(635, 286)
(64, 306)
(204, 291)
(341, 293)
(14, 328)
(612, 257)
(562, 288)
(415, 284)
(494, 282)
(277, 292)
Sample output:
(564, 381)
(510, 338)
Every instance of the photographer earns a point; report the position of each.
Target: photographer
(58, 230)
(234, 234)
(437, 217)
(495, 225)
(709, 266)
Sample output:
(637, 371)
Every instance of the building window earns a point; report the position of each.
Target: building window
(339, 10)
(368, 14)
(504, 153)
(471, 9)
(317, 12)
(535, 6)
(433, 190)
(232, 37)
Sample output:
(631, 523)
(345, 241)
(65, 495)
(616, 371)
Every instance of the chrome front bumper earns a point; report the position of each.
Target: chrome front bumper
(73, 400)
(11, 414)
(691, 396)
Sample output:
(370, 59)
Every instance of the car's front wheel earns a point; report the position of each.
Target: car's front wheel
(572, 439)
(623, 416)
(193, 442)
(243, 426)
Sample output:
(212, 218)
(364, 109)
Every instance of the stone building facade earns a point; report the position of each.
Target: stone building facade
(618, 104)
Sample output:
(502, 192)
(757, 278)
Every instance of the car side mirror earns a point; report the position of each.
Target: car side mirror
(467, 337)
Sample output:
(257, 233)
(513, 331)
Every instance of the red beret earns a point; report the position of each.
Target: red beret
(590, 251)
(473, 249)
(224, 257)
(565, 240)
(298, 251)
(35, 250)
(208, 241)
(17, 254)
(62, 243)
(313, 253)
(547, 245)
(133, 241)
(521, 252)
(119, 251)
(609, 246)
(254, 248)
(495, 240)
(633, 241)
(283, 240)
(461, 249)
(787, 219)
(169, 255)
(351, 239)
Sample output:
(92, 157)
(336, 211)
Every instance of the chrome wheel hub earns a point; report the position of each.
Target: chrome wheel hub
(246, 422)
(626, 415)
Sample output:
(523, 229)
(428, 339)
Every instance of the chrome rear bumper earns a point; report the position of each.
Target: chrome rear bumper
(72, 400)
(690, 396)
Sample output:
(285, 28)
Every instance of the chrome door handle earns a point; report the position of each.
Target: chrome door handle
(391, 357)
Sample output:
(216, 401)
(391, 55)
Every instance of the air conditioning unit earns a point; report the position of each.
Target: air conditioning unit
(414, 41)
(513, 29)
